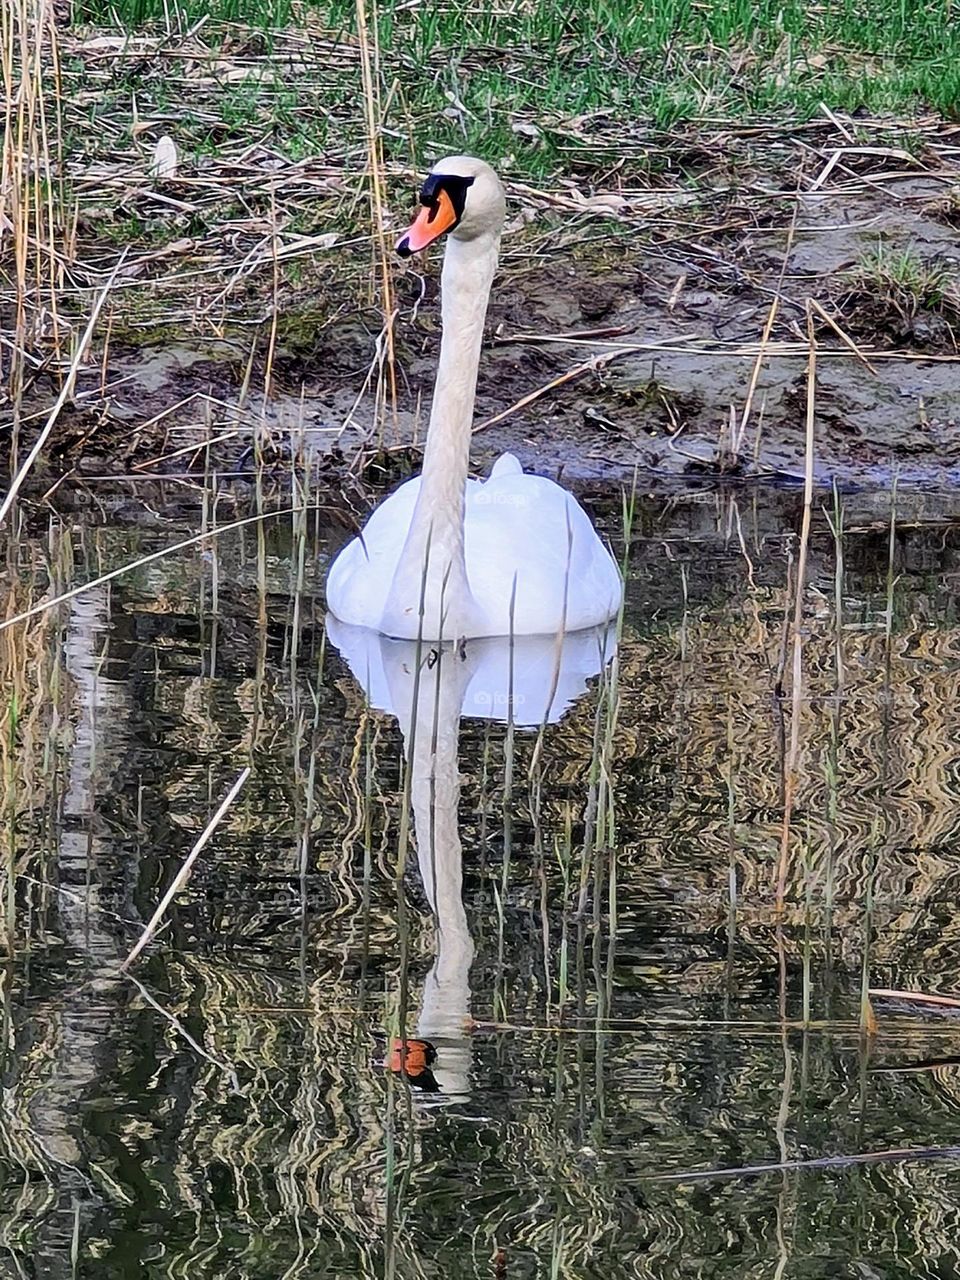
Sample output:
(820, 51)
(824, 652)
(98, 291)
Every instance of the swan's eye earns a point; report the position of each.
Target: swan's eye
(443, 197)
(452, 186)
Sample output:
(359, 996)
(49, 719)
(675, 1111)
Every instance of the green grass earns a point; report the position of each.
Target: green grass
(906, 282)
(657, 62)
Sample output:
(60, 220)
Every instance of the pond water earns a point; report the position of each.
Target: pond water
(643, 1068)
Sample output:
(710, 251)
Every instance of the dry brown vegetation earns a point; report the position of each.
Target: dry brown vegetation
(253, 284)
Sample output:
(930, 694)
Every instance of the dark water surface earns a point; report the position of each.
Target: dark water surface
(622, 1021)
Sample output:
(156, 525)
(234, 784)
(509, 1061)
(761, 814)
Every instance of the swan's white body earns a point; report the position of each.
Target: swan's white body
(445, 557)
(516, 527)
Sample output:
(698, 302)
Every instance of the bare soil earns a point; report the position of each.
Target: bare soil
(641, 355)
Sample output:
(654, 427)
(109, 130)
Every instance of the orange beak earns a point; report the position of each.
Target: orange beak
(430, 223)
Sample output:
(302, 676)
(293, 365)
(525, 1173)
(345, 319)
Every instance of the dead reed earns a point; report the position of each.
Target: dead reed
(792, 758)
(183, 874)
(33, 242)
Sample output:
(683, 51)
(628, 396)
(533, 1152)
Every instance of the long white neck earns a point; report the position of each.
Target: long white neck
(432, 565)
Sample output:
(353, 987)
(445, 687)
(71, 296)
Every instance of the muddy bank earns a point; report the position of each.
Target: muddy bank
(617, 354)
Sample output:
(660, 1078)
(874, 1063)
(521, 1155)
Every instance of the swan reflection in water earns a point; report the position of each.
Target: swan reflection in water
(540, 677)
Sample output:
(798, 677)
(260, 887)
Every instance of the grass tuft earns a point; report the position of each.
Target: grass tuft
(906, 282)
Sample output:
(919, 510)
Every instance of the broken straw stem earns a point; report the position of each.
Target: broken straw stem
(183, 874)
(66, 391)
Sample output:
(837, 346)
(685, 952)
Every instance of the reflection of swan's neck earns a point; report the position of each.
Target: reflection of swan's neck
(529, 676)
(437, 521)
(432, 732)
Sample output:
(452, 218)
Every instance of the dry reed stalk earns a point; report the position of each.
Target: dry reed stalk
(838, 125)
(737, 440)
(30, 194)
(64, 596)
(274, 301)
(793, 752)
(592, 365)
(915, 997)
(587, 366)
(65, 392)
(892, 1155)
(370, 73)
(182, 1031)
(844, 337)
(183, 875)
(710, 348)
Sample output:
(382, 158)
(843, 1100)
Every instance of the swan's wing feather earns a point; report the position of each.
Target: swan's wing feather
(506, 465)
(525, 526)
(518, 528)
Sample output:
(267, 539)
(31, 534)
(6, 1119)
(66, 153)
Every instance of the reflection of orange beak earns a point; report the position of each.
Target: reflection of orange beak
(430, 223)
(410, 1057)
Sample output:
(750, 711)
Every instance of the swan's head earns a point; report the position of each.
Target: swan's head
(462, 196)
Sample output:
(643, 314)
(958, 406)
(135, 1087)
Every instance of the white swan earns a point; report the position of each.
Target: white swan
(515, 554)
